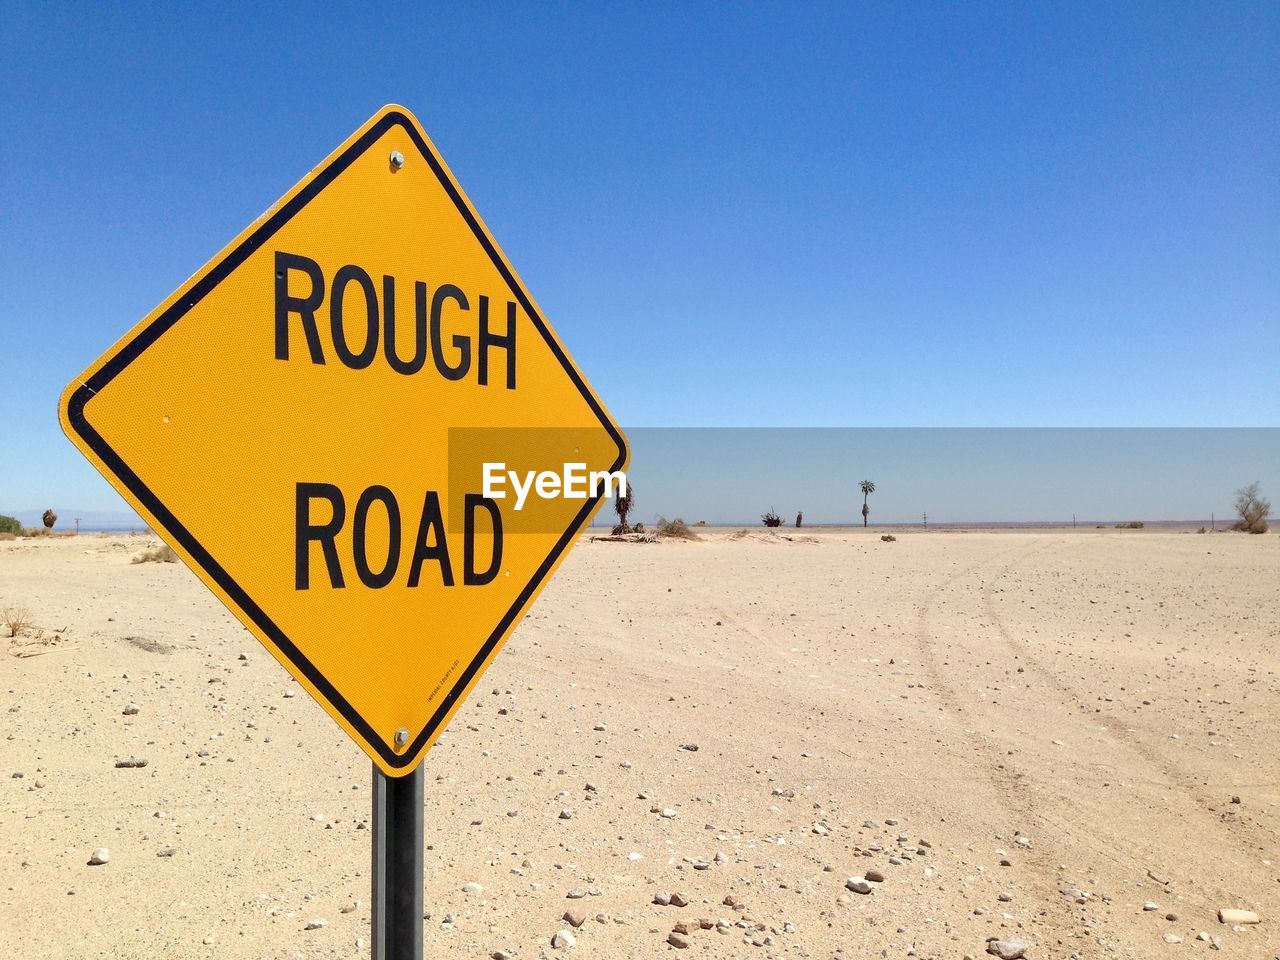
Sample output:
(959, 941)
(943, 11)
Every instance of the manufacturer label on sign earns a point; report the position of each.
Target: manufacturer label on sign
(284, 422)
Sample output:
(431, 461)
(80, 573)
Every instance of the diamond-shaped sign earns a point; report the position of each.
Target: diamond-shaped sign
(305, 421)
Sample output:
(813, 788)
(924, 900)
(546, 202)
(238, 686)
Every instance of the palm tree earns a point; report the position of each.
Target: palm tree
(867, 488)
(622, 505)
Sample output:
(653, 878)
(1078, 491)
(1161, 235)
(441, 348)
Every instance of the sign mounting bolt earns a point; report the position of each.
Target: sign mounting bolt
(397, 159)
(402, 737)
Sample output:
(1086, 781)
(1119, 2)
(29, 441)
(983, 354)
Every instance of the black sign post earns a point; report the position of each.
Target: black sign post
(397, 866)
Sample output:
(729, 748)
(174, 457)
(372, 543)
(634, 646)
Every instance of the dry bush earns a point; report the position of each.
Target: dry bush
(889, 538)
(6, 535)
(1253, 508)
(160, 553)
(771, 519)
(675, 529)
(17, 619)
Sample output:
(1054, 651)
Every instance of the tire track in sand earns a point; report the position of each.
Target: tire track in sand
(1008, 780)
(1173, 776)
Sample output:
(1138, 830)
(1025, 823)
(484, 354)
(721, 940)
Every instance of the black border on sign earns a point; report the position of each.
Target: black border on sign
(200, 289)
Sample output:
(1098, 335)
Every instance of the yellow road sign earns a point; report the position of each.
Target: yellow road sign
(306, 422)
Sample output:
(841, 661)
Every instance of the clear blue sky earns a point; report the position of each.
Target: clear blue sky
(804, 215)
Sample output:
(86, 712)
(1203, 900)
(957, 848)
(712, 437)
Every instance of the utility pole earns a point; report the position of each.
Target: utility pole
(926, 519)
(77, 526)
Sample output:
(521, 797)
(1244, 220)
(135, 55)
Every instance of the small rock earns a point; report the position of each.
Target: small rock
(166, 852)
(1008, 949)
(563, 939)
(130, 763)
(99, 857)
(690, 747)
(1172, 938)
(351, 907)
(575, 916)
(1149, 906)
(859, 885)
(316, 924)
(566, 814)
(577, 893)
(875, 876)
(1238, 916)
(678, 940)
(472, 887)
(130, 710)
(679, 900)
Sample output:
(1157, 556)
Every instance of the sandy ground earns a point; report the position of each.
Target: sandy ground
(1029, 734)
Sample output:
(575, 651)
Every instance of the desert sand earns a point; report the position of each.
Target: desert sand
(1029, 735)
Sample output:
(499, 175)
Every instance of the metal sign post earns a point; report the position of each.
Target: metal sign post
(397, 866)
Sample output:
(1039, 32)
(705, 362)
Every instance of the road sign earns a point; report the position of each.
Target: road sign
(284, 421)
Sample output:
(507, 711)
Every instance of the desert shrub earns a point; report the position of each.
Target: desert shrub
(675, 529)
(17, 619)
(1135, 525)
(1253, 509)
(771, 519)
(10, 525)
(1202, 530)
(638, 528)
(160, 553)
(888, 538)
